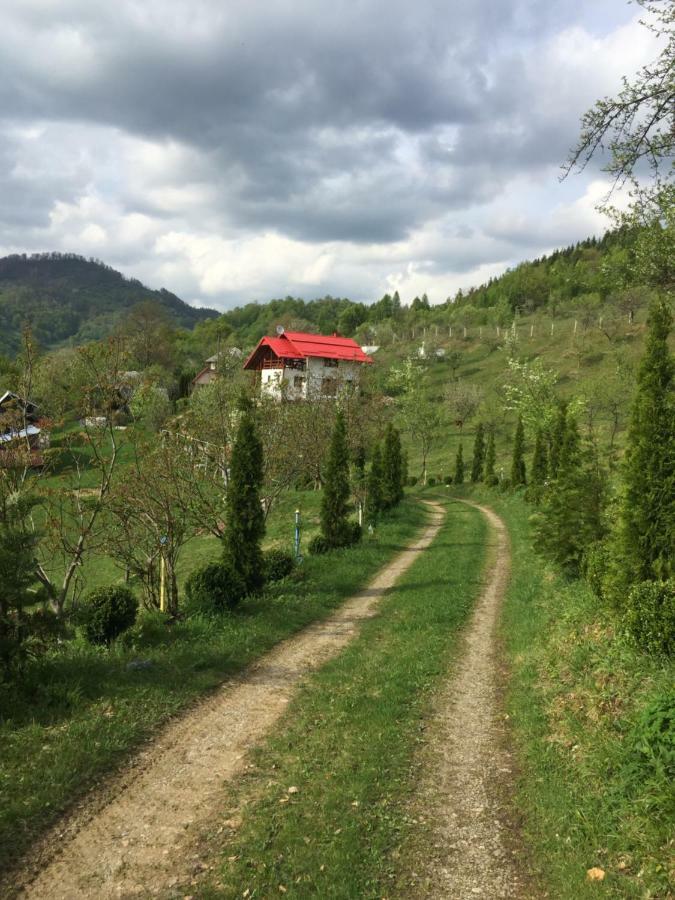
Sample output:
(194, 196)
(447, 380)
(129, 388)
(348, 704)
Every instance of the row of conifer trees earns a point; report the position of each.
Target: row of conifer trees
(620, 537)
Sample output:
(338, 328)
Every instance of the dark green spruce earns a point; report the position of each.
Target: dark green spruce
(458, 477)
(539, 470)
(392, 468)
(478, 461)
(245, 522)
(490, 458)
(647, 527)
(374, 488)
(518, 470)
(335, 499)
(571, 516)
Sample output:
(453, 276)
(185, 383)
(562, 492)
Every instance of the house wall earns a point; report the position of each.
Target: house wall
(318, 380)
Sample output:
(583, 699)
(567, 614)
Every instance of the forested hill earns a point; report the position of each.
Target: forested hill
(597, 278)
(66, 297)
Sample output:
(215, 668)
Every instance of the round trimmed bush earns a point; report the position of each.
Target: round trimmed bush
(214, 588)
(431, 482)
(108, 613)
(353, 533)
(649, 619)
(318, 545)
(278, 565)
(448, 479)
(412, 480)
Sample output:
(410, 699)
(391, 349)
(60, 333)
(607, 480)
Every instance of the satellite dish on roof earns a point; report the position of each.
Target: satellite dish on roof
(280, 329)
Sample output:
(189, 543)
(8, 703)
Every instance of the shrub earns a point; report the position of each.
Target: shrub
(649, 619)
(108, 613)
(412, 481)
(652, 738)
(278, 565)
(595, 564)
(492, 480)
(214, 588)
(431, 482)
(353, 533)
(448, 479)
(318, 545)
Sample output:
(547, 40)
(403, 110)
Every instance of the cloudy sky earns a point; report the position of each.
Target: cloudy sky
(238, 150)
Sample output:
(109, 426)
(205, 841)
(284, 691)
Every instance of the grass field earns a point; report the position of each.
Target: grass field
(348, 741)
(596, 782)
(77, 713)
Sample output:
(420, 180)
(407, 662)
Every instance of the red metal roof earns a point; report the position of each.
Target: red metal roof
(299, 345)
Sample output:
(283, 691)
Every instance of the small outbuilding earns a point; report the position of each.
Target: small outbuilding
(21, 431)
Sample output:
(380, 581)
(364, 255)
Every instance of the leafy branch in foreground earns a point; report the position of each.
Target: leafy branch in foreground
(637, 126)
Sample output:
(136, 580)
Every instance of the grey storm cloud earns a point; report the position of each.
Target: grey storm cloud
(338, 121)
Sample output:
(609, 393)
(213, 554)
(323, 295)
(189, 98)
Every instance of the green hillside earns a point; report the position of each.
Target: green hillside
(66, 297)
(579, 312)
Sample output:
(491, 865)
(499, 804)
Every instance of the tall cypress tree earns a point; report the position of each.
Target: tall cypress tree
(478, 461)
(539, 471)
(556, 438)
(571, 516)
(518, 472)
(647, 532)
(245, 522)
(374, 488)
(404, 470)
(335, 500)
(490, 459)
(458, 477)
(392, 490)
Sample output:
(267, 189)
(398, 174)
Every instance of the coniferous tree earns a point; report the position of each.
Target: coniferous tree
(404, 470)
(539, 471)
(647, 526)
(490, 458)
(478, 461)
(335, 500)
(556, 438)
(458, 477)
(374, 488)
(518, 471)
(571, 517)
(392, 492)
(245, 521)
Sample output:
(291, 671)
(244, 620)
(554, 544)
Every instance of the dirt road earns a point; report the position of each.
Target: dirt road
(473, 850)
(130, 842)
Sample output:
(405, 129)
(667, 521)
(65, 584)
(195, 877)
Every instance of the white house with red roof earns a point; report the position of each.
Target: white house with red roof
(294, 365)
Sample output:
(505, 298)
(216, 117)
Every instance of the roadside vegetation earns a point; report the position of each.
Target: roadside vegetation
(79, 710)
(594, 725)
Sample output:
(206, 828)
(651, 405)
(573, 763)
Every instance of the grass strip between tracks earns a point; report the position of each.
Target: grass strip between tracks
(348, 740)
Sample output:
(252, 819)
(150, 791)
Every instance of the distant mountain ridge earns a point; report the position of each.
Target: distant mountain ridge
(68, 298)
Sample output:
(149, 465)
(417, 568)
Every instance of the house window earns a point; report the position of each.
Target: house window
(329, 387)
(298, 382)
(330, 363)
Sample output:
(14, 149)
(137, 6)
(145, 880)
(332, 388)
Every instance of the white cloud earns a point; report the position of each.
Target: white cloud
(231, 156)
